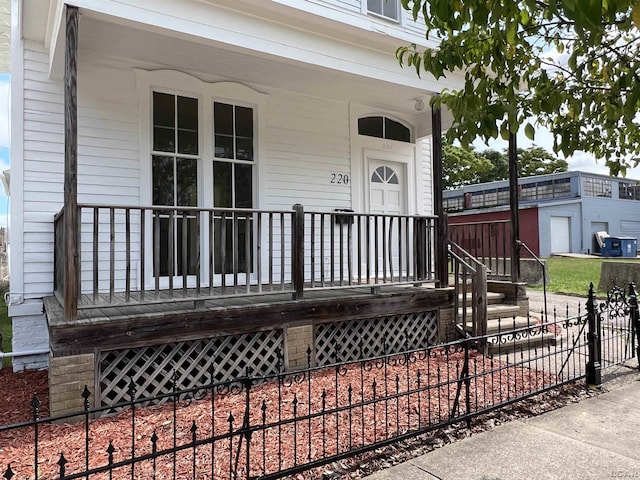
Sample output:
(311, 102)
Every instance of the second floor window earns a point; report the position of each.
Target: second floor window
(385, 8)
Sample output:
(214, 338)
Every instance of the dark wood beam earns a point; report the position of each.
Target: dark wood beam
(130, 331)
(71, 277)
(514, 207)
(441, 225)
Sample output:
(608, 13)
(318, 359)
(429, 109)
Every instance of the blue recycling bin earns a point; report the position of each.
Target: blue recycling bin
(620, 247)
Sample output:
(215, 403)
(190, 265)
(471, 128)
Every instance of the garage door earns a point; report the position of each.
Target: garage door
(560, 238)
(630, 228)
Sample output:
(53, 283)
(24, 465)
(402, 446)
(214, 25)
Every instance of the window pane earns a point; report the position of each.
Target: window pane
(187, 125)
(162, 173)
(164, 139)
(227, 233)
(189, 224)
(370, 126)
(161, 251)
(163, 110)
(188, 142)
(187, 184)
(392, 177)
(244, 186)
(376, 7)
(188, 113)
(244, 122)
(222, 186)
(223, 118)
(390, 9)
(377, 176)
(224, 146)
(244, 148)
(244, 223)
(396, 131)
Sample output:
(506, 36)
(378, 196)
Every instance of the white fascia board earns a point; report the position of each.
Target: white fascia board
(208, 23)
(55, 38)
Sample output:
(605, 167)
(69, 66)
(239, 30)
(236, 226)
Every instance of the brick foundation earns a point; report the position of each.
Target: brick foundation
(67, 378)
(298, 340)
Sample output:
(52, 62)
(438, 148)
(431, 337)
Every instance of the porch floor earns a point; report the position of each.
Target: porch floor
(189, 317)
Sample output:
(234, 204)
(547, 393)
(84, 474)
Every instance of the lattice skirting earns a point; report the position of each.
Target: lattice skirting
(153, 368)
(357, 339)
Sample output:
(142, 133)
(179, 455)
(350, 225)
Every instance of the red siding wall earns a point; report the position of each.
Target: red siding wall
(479, 240)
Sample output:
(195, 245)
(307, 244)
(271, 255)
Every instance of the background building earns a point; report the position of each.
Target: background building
(559, 213)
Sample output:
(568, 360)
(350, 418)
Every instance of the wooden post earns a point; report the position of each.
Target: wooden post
(514, 207)
(441, 229)
(71, 274)
(297, 253)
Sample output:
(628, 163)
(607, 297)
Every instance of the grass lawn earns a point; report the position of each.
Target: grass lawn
(573, 275)
(5, 325)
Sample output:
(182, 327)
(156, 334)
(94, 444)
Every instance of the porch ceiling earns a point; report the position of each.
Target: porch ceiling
(219, 61)
(318, 64)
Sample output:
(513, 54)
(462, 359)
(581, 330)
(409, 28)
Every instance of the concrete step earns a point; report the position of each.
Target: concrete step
(496, 325)
(492, 298)
(505, 343)
(503, 311)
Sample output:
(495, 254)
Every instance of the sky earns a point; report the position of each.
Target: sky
(578, 161)
(4, 141)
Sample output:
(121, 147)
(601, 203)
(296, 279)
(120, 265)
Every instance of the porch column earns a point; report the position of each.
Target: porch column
(441, 227)
(514, 207)
(71, 166)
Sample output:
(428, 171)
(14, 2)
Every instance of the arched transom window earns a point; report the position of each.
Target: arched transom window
(384, 127)
(384, 175)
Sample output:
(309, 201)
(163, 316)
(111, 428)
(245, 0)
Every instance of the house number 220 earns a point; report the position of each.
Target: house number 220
(340, 178)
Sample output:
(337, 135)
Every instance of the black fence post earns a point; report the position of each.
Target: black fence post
(634, 319)
(594, 368)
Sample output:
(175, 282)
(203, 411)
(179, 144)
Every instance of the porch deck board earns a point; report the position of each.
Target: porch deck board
(136, 324)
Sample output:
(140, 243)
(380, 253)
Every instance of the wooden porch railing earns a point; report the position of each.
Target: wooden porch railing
(489, 242)
(470, 281)
(154, 254)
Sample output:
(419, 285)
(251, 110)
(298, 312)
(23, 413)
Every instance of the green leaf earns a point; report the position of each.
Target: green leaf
(529, 131)
(504, 130)
(635, 14)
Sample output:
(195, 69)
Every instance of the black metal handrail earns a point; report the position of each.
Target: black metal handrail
(543, 265)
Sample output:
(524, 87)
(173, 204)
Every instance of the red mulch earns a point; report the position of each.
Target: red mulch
(17, 392)
(283, 447)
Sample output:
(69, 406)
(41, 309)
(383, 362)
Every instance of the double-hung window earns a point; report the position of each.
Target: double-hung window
(233, 176)
(175, 183)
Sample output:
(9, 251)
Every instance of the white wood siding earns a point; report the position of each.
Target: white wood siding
(307, 141)
(107, 152)
(425, 187)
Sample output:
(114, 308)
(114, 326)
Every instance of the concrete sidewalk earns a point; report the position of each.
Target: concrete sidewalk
(597, 438)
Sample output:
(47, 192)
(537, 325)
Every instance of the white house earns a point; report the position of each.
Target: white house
(245, 105)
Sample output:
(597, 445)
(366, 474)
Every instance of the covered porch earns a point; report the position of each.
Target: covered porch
(285, 272)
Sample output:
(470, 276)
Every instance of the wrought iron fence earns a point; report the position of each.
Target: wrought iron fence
(273, 426)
